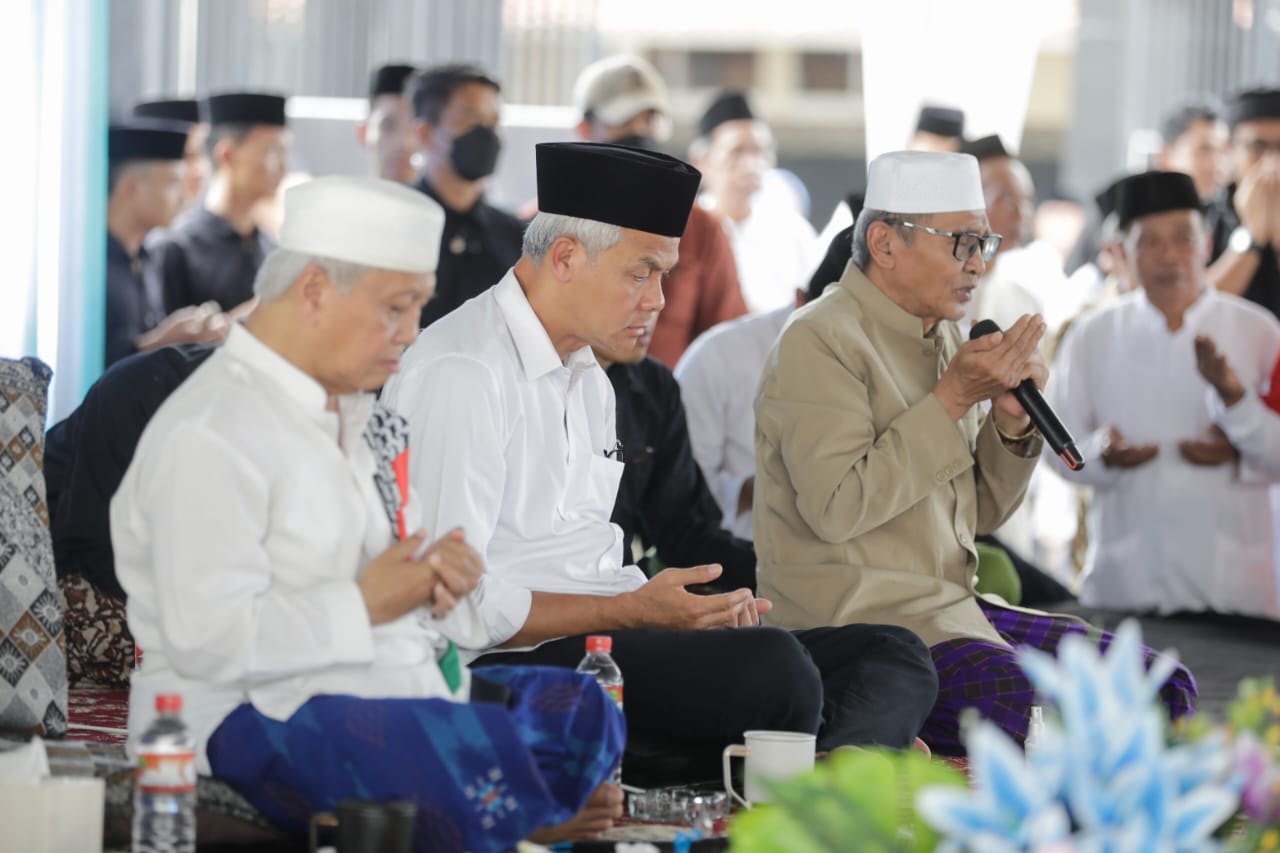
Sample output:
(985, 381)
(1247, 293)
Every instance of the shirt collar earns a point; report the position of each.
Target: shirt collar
(305, 392)
(209, 221)
(881, 308)
(538, 355)
(1194, 310)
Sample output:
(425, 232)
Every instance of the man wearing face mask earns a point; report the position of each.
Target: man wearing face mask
(455, 110)
(623, 100)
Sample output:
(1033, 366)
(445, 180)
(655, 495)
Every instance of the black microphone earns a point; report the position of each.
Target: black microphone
(1041, 415)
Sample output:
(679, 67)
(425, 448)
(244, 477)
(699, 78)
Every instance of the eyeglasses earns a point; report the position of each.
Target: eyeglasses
(967, 242)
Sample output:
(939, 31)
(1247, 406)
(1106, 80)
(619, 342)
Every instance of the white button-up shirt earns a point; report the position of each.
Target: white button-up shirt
(718, 376)
(510, 444)
(1170, 535)
(240, 530)
(776, 250)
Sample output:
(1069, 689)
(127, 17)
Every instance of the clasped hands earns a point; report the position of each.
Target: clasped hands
(397, 581)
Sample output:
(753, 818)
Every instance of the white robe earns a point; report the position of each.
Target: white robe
(1169, 535)
(718, 376)
(240, 530)
(776, 251)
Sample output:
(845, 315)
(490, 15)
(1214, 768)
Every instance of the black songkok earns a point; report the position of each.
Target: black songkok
(186, 111)
(1154, 192)
(985, 148)
(727, 106)
(145, 141)
(642, 190)
(245, 108)
(941, 121)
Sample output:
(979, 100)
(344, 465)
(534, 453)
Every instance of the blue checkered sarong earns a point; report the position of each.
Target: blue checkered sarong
(482, 775)
(986, 677)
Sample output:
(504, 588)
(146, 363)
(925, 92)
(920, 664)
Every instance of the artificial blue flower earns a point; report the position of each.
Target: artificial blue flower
(1101, 774)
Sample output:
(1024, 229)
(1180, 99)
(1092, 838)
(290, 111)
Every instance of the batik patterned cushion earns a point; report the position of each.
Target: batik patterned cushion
(24, 392)
(33, 661)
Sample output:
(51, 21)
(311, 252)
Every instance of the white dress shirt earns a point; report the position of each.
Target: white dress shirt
(718, 376)
(1169, 535)
(240, 530)
(510, 444)
(776, 250)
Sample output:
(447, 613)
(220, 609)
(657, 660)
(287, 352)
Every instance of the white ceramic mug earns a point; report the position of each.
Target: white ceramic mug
(770, 756)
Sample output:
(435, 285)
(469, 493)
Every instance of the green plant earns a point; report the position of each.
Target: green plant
(858, 799)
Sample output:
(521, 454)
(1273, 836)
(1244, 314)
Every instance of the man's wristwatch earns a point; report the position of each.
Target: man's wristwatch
(1241, 241)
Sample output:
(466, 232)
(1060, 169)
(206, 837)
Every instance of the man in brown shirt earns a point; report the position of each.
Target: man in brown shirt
(876, 462)
(624, 101)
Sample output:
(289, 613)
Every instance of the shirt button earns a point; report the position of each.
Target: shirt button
(964, 539)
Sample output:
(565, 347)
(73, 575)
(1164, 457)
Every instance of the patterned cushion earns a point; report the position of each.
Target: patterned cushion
(33, 661)
(99, 645)
(24, 387)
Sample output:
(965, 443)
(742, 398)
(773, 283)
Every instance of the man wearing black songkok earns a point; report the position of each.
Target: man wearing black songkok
(213, 251)
(507, 393)
(144, 192)
(195, 159)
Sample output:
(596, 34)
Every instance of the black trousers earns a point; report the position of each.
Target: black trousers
(700, 690)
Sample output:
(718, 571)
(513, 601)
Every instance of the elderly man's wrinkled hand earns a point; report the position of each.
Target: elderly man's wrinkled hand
(986, 368)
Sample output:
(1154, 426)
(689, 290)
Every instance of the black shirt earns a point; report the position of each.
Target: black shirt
(1264, 288)
(202, 259)
(134, 299)
(476, 250)
(663, 496)
(86, 455)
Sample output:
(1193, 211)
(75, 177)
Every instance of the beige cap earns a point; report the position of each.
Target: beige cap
(924, 182)
(366, 221)
(618, 88)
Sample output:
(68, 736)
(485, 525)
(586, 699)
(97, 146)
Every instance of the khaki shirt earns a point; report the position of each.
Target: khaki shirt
(867, 494)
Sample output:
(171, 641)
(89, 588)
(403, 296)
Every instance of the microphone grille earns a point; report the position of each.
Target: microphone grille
(983, 327)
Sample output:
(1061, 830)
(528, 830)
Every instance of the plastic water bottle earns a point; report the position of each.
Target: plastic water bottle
(599, 663)
(1035, 731)
(164, 801)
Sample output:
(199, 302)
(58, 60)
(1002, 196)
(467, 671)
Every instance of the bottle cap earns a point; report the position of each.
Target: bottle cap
(598, 643)
(168, 703)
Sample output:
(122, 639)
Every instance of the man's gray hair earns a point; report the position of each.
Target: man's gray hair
(546, 228)
(861, 255)
(283, 267)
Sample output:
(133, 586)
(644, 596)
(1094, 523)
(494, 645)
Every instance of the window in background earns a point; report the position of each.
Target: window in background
(827, 71)
(726, 69)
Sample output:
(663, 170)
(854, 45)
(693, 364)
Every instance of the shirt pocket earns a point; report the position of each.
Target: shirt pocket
(601, 492)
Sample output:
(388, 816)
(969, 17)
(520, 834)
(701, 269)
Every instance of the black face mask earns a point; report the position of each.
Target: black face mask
(637, 140)
(475, 153)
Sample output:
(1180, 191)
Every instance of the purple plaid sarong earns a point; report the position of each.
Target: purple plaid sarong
(986, 677)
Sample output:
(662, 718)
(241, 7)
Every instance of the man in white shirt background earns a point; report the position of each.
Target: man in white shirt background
(521, 419)
(1180, 517)
(774, 245)
(279, 581)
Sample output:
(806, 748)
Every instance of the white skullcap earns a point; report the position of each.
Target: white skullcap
(924, 182)
(366, 221)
